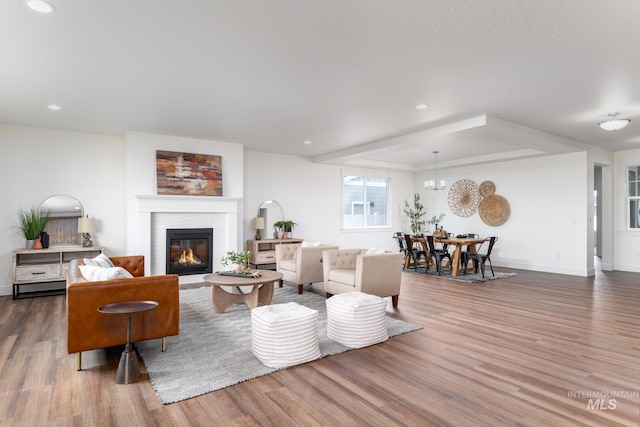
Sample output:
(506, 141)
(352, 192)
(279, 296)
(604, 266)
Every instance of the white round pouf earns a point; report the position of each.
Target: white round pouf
(356, 319)
(284, 335)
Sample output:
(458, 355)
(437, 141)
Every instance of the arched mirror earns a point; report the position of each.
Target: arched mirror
(62, 205)
(271, 211)
(64, 211)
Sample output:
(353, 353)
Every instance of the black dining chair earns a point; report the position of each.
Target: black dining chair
(466, 251)
(399, 236)
(414, 253)
(437, 254)
(480, 258)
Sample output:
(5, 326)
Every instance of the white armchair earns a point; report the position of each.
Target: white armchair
(349, 270)
(300, 265)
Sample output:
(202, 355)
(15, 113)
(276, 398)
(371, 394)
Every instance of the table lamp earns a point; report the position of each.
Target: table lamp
(258, 225)
(86, 226)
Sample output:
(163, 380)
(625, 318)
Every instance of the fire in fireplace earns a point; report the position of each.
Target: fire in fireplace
(189, 251)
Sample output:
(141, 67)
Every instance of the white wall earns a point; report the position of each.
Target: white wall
(547, 227)
(38, 163)
(311, 195)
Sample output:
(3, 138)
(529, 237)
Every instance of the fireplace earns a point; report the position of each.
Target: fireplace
(189, 251)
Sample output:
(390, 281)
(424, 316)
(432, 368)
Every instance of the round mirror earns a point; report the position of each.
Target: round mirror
(271, 211)
(63, 206)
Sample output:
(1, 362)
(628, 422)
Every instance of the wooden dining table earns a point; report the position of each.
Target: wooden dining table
(458, 243)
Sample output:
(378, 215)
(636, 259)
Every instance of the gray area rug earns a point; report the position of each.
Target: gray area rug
(470, 277)
(213, 350)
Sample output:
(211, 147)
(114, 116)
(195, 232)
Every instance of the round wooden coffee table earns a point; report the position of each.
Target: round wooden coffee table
(261, 292)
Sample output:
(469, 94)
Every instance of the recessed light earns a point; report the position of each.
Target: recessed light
(422, 107)
(41, 6)
(308, 142)
(54, 107)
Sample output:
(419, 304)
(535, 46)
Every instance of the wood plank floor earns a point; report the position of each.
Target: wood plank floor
(523, 351)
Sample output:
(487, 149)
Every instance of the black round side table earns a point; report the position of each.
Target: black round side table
(129, 367)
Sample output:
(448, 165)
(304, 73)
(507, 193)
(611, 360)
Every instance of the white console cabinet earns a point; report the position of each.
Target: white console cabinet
(36, 266)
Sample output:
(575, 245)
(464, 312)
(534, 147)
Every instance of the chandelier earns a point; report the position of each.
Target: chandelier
(613, 123)
(434, 184)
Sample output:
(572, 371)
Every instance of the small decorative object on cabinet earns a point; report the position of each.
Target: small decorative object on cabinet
(285, 226)
(31, 223)
(258, 224)
(263, 252)
(86, 226)
(37, 266)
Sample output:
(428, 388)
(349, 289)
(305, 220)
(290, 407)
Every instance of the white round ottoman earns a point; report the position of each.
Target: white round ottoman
(284, 335)
(356, 319)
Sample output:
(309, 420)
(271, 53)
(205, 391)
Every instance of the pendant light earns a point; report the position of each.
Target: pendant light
(434, 184)
(613, 123)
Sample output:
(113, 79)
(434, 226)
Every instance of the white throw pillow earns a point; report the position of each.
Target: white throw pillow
(93, 273)
(375, 251)
(306, 244)
(100, 261)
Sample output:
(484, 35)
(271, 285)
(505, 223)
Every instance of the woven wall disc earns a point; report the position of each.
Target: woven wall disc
(494, 210)
(464, 197)
(486, 188)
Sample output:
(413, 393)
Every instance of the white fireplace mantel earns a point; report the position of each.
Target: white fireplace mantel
(152, 204)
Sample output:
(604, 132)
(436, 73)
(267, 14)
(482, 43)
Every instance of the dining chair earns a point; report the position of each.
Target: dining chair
(480, 258)
(437, 254)
(414, 253)
(466, 251)
(399, 236)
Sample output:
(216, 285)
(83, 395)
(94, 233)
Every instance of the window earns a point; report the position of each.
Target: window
(633, 196)
(365, 201)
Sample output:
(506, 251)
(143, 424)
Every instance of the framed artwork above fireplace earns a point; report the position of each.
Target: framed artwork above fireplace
(188, 174)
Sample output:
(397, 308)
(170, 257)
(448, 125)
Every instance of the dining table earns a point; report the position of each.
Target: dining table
(458, 243)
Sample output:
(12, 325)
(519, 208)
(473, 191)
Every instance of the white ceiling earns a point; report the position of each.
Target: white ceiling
(503, 78)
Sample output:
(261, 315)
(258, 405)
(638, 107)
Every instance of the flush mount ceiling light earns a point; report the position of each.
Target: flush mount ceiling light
(41, 6)
(613, 123)
(54, 107)
(434, 184)
(422, 107)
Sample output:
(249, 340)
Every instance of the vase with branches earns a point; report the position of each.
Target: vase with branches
(415, 214)
(435, 220)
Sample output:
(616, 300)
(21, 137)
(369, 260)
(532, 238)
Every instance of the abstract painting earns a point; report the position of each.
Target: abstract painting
(188, 174)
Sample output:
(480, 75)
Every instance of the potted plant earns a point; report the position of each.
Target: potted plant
(415, 214)
(285, 227)
(239, 260)
(434, 220)
(31, 223)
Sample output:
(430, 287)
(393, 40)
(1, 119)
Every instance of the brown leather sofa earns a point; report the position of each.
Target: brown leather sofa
(88, 329)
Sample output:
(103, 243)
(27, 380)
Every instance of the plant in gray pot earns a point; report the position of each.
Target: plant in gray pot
(285, 227)
(31, 223)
